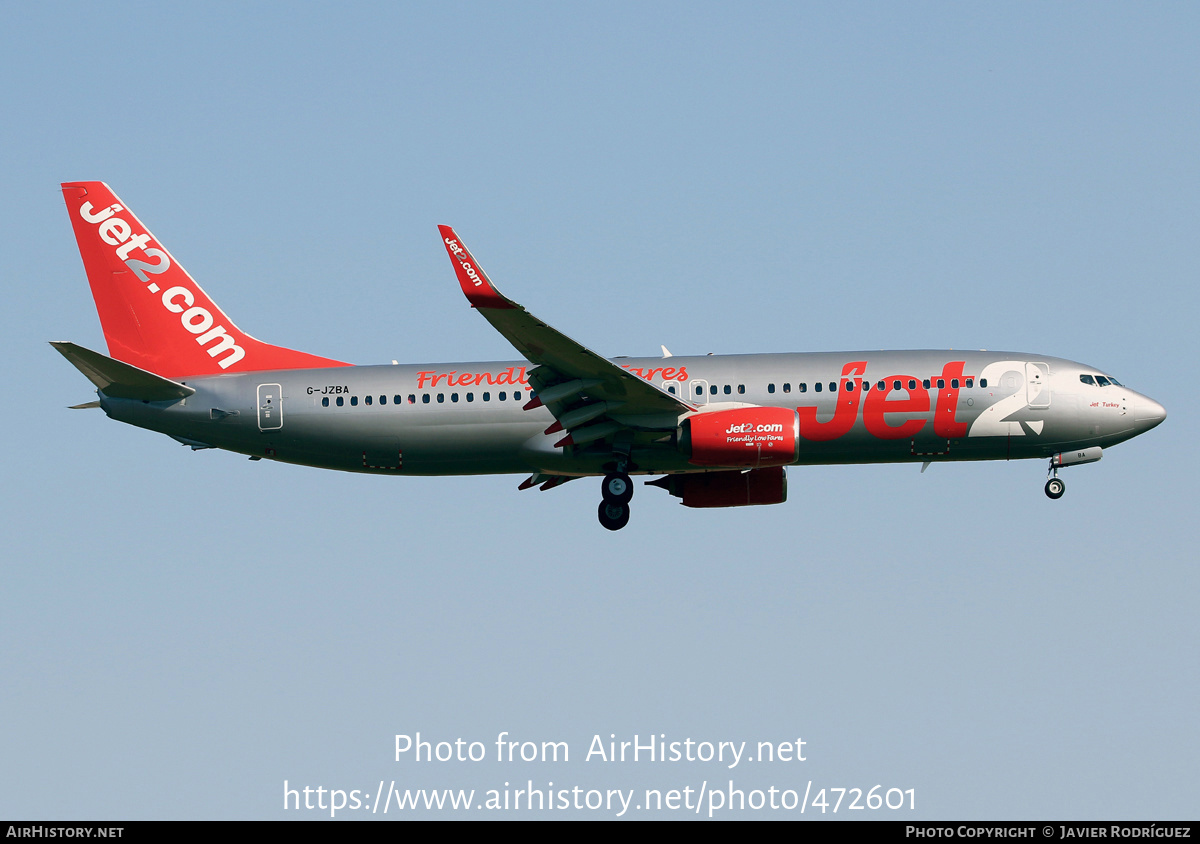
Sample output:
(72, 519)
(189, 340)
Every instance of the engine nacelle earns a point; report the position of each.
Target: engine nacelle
(744, 438)
(728, 489)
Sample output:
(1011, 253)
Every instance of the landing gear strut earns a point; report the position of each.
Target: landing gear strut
(617, 490)
(1055, 487)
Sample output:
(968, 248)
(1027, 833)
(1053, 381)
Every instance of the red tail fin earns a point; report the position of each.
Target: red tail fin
(153, 313)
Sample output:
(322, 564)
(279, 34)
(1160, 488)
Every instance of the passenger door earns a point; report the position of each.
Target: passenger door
(270, 407)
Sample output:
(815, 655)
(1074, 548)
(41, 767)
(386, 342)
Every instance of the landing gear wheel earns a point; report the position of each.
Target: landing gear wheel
(617, 488)
(1055, 488)
(613, 516)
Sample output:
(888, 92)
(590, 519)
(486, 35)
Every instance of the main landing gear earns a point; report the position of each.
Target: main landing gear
(617, 490)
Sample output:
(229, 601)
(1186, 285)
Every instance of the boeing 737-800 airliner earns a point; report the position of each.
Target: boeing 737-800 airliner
(719, 429)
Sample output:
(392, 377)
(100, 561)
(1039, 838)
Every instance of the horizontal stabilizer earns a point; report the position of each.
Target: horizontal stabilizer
(121, 380)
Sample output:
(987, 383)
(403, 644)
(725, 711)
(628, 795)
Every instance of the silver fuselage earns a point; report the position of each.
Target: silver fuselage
(467, 418)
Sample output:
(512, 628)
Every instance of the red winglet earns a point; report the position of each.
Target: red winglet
(474, 281)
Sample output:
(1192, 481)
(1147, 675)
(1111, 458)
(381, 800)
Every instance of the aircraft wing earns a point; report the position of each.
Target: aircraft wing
(573, 369)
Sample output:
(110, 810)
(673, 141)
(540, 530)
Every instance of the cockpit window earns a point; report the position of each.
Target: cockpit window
(1100, 381)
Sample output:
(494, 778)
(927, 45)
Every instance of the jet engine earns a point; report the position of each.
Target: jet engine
(727, 489)
(742, 438)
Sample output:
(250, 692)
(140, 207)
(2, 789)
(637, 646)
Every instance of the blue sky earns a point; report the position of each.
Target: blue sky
(182, 632)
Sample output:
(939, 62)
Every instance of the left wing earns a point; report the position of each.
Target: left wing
(590, 397)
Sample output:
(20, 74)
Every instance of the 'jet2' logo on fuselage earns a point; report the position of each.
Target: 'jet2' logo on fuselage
(198, 320)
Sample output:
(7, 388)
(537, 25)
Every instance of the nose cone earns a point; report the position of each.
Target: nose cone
(1148, 413)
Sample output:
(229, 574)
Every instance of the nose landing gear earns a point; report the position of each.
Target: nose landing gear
(617, 490)
(1054, 486)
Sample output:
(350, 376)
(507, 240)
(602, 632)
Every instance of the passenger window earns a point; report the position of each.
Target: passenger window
(741, 389)
(942, 384)
(770, 388)
(470, 397)
(441, 398)
(424, 398)
(487, 396)
(787, 388)
(454, 397)
(671, 389)
(802, 387)
(912, 383)
(848, 386)
(833, 386)
(383, 399)
(817, 386)
(728, 390)
(882, 385)
(954, 383)
(354, 401)
(925, 383)
(896, 384)
(396, 400)
(983, 382)
(699, 390)
(370, 400)
(340, 401)
(325, 401)
(412, 398)
(866, 386)
(970, 383)
(501, 396)
(713, 389)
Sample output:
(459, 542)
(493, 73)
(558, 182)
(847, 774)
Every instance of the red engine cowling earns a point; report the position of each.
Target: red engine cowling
(728, 489)
(745, 438)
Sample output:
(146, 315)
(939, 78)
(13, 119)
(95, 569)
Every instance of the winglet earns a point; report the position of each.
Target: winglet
(474, 281)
